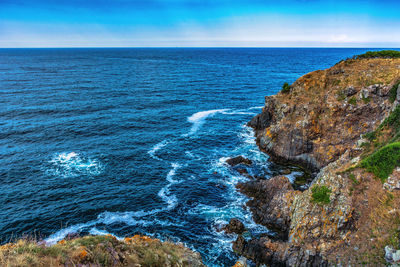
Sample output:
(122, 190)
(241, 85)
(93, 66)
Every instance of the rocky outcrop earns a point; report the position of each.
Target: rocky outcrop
(234, 226)
(319, 125)
(325, 112)
(238, 160)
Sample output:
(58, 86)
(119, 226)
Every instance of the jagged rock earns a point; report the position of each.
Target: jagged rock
(392, 255)
(244, 172)
(270, 202)
(234, 226)
(312, 126)
(238, 160)
(393, 181)
(398, 94)
(350, 91)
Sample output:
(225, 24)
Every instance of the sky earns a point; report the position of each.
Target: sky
(199, 23)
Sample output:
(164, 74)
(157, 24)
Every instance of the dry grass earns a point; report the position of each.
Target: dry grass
(98, 251)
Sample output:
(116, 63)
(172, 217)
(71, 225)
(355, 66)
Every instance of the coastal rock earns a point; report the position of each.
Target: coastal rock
(270, 203)
(312, 126)
(238, 160)
(315, 126)
(234, 226)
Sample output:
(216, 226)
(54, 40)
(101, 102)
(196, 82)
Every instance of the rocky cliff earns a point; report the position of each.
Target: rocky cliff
(342, 124)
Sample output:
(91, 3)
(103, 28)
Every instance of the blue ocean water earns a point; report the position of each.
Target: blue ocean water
(127, 141)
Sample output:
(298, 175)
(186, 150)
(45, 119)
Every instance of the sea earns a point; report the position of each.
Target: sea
(134, 140)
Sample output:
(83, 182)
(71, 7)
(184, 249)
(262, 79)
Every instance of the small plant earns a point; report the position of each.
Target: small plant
(320, 194)
(382, 162)
(353, 101)
(285, 88)
(353, 178)
(340, 95)
(366, 100)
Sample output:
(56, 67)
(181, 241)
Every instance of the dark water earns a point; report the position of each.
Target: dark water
(128, 141)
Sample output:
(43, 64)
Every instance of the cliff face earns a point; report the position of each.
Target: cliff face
(326, 111)
(346, 216)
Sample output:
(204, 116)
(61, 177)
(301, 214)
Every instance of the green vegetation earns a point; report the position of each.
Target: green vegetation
(340, 95)
(379, 54)
(382, 162)
(393, 92)
(320, 194)
(285, 88)
(352, 101)
(98, 251)
(353, 178)
(366, 100)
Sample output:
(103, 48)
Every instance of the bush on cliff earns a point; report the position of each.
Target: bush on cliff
(379, 54)
(285, 88)
(320, 194)
(382, 162)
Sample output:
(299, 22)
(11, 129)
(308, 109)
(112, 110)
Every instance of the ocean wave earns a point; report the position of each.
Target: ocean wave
(73, 164)
(157, 147)
(198, 119)
(238, 113)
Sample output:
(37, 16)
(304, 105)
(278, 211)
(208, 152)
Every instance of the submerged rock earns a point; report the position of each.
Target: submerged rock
(238, 160)
(234, 226)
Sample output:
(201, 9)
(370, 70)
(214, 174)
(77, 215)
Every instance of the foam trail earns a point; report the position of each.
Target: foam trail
(95, 231)
(60, 235)
(198, 119)
(238, 113)
(165, 193)
(260, 107)
(157, 147)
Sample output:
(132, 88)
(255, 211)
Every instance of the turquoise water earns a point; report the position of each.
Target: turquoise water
(127, 141)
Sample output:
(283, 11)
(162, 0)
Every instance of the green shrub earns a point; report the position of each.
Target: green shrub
(382, 162)
(352, 101)
(285, 88)
(393, 92)
(321, 194)
(379, 54)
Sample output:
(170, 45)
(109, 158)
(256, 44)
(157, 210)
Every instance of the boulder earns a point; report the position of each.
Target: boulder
(238, 160)
(234, 226)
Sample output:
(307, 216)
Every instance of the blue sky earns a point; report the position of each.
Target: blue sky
(187, 23)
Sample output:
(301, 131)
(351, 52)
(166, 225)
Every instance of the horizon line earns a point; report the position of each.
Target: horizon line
(77, 47)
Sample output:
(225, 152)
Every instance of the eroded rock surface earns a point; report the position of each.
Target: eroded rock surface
(319, 125)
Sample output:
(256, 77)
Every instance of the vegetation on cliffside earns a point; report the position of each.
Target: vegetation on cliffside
(98, 251)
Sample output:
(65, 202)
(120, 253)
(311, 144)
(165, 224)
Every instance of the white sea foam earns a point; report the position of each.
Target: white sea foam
(259, 107)
(238, 113)
(95, 231)
(165, 193)
(73, 164)
(156, 147)
(57, 236)
(198, 119)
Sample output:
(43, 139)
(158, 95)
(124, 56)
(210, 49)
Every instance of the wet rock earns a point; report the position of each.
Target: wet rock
(234, 226)
(238, 160)
(270, 202)
(244, 172)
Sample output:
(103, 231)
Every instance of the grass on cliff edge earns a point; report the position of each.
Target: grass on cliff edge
(379, 54)
(383, 151)
(96, 251)
(320, 194)
(384, 161)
